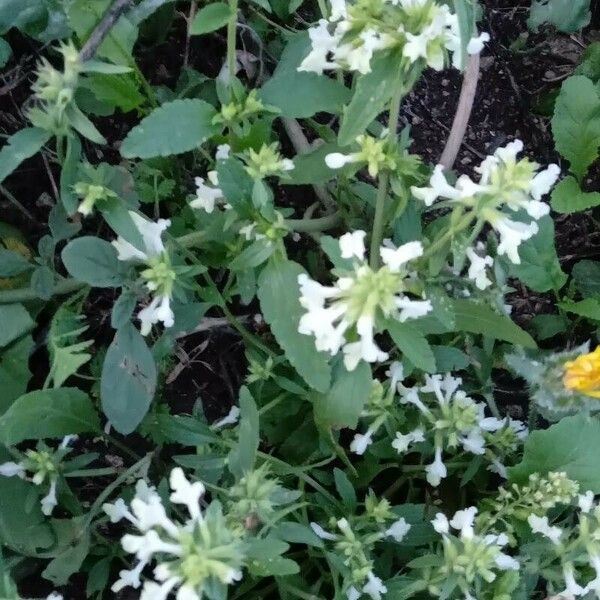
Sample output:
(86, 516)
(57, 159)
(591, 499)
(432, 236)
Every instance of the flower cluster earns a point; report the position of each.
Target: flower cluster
(158, 276)
(448, 418)
(351, 306)
(44, 465)
(422, 30)
(505, 182)
(192, 556)
(354, 539)
(372, 152)
(266, 162)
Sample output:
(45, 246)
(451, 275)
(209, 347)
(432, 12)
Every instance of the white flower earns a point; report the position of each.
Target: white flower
(398, 530)
(412, 309)
(360, 442)
(353, 245)
(441, 524)
(365, 349)
(12, 469)
(374, 587)
(206, 197)
(476, 44)
(323, 43)
(395, 258)
(402, 442)
(439, 188)
(352, 593)
(463, 520)
(159, 310)
(338, 10)
(49, 501)
(231, 418)
(512, 234)
(337, 160)
(223, 151)
(151, 235)
(542, 183)
(186, 493)
(155, 591)
(118, 511)
(129, 578)
(572, 588)
(322, 533)
(540, 525)
(506, 562)
(474, 442)
(477, 269)
(54, 596)
(358, 57)
(436, 471)
(586, 501)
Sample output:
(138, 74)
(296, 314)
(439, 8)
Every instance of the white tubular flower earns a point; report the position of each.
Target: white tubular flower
(586, 501)
(230, 419)
(323, 44)
(352, 593)
(512, 234)
(186, 493)
(49, 501)
(441, 524)
(506, 562)
(151, 234)
(360, 442)
(118, 511)
(223, 151)
(322, 533)
(374, 587)
(129, 578)
(540, 525)
(436, 471)
(158, 311)
(463, 521)
(477, 43)
(474, 442)
(355, 301)
(398, 530)
(572, 588)
(439, 188)
(358, 57)
(402, 442)
(477, 269)
(338, 10)
(206, 197)
(12, 469)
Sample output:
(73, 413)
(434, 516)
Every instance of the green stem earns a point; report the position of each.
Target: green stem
(231, 38)
(440, 242)
(311, 225)
(66, 286)
(384, 178)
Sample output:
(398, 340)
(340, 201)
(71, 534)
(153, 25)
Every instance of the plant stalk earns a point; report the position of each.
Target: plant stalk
(231, 38)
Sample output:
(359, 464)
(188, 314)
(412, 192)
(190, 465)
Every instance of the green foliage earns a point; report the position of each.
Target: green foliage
(173, 128)
(92, 261)
(15, 321)
(20, 146)
(568, 16)
(14, 371)
(568, 197)
(210, 18)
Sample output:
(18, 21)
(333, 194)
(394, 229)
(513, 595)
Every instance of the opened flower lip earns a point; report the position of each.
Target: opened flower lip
(151, 235)
(582, 374)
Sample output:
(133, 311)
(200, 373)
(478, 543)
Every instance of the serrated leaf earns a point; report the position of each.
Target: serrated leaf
(301, 94)
(372, 92)
(279, 294)
(210, 18)
(20, 146)
(48, 414)
(120, 91)
(128, 380)
(67, 350)
(93, 261)
(571, 446)
(568, 16)
(173, 128)
(413, 345)
(568, 197)
(586, 275)
(576, 123)
(588, 308)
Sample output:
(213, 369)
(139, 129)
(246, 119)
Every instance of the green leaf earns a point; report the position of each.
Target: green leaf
(571, 445)
(13, 263)
(465, 13)
(42, 282)
(253, 255)
(145, 9)
(128, 380)
(296, 533)
(568, 197)
(342, 404)
(413, 345)
(540, 269)
(576, 123)
(547, 326)
(120, 91)
(311, 168)
(235, 183)
(210, 18)
(586, 275)
(93, 261)
(480, 318)
(588, 308)
(14, 371)
(67, 352)
(48, 414)
(279, 293)
(14, 322)
(5, 52)
(372, 92)
(345, 489)
(568, 16)
(301, 94)
(118, 218)
(590, 63)
(20, 146)
(242, 458)
(68, 174)
(173, 128)
(449, 359)
(83, 125)
(68, 562)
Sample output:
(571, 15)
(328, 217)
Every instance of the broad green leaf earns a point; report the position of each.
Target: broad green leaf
(67, 350)
(480, 318)
(279, 294)
(413, 345)
(342, 404)
(571, 445)
(449, 359)
(253, 255)
(311, 168)
(68, 562)
(372, 92)
(20, 146)
(173, 128)
(48, 414)
(5, 52)
(210, 18)
(576, 123)
(242, 458)
(568, 16)
(540, 269)
(42, 282)
(15, 321)
(588, 308)
(345, 489)
(93, 261)
(183, 429)
(235, 183)
(42, 19)
(14, 371)
(586, 275)
(590, 63)
(301, 94)
(120, 91)
(568, 197)
(13, 263)
(296, 533)
(547, 326)
(128, 380)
